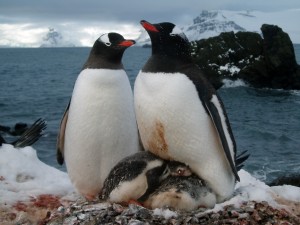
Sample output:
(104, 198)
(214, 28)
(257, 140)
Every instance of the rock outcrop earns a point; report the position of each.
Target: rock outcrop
(267, 61)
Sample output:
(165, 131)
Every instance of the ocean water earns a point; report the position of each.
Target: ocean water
(38, 82)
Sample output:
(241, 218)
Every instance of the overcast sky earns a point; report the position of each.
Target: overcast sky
(25, 21)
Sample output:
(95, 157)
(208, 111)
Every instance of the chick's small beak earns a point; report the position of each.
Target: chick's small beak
(148, 26)
(127, 43)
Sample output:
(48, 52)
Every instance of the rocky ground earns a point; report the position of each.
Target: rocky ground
(47, 209)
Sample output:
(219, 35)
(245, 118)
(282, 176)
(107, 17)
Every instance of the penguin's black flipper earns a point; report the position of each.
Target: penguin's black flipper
(220, 121)
(31, 135)
(125, 171)
(61, 137)
(241, 158)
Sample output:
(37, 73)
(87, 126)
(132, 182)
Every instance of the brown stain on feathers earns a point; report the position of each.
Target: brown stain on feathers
(157, 143)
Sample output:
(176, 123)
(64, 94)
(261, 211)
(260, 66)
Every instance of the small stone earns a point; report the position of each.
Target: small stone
(112, 213)
(229, 207)
(215, 216)
(256, 216)
(174, 221)
(201, 215)
(233, 214)
(244, 215)
(121, 220)
(70, 220)
(81, 216)
(118, 208)
(243, 222)
(229, 221)
(96, 207)
(61, 209)
(249, 209)
(136, 222)
(11, 216)
(194, 220)
(187, 220)
(143, 213)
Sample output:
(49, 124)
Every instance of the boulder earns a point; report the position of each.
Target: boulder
(267, 61)
(280, 57)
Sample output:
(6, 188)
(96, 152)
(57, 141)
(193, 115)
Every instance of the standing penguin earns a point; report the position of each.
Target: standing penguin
(98, 127)
(179, 114)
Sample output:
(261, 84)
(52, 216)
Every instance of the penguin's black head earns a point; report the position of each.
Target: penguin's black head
(113, 41)
(179, 169)
(107, 51)
(167, 39)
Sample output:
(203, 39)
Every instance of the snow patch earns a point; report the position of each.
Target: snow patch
(232, 69)
(227, 83)
(24, 176)
(166, 213)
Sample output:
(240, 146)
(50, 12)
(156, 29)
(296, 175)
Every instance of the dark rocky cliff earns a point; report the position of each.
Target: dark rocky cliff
(267, 61)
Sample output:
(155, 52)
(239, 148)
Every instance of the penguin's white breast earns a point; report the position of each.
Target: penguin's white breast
(174, 125)
(169, 111)
(101, 127)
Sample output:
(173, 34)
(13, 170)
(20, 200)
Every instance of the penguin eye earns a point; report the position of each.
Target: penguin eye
(180, 172)
(107, 44)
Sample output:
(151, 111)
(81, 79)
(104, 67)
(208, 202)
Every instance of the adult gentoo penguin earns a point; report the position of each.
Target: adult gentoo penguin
(99, 126)
(179, 114)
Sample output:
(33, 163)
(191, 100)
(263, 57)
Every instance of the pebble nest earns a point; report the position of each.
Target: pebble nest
(106, 213)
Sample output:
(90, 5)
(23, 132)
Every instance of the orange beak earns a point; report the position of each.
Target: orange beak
(127, 43)
(148, 26)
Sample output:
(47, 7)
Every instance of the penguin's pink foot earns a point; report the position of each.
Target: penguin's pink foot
(90, 197)
(134, 202)
(131, 201)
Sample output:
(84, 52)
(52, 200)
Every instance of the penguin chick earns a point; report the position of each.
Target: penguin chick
(185, 193)
(134, 178)
(179, 169)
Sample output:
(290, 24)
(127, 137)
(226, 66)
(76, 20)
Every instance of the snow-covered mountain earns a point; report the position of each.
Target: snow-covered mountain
(209, 24)
(212, 23)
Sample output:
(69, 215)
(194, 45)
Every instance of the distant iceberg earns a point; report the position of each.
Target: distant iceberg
(55, 39)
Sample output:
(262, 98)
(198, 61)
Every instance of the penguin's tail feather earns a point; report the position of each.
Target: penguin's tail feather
(31, 135)
(240, 159)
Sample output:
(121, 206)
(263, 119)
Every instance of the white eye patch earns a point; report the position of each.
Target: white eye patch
(105, 39)
(177, 31)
